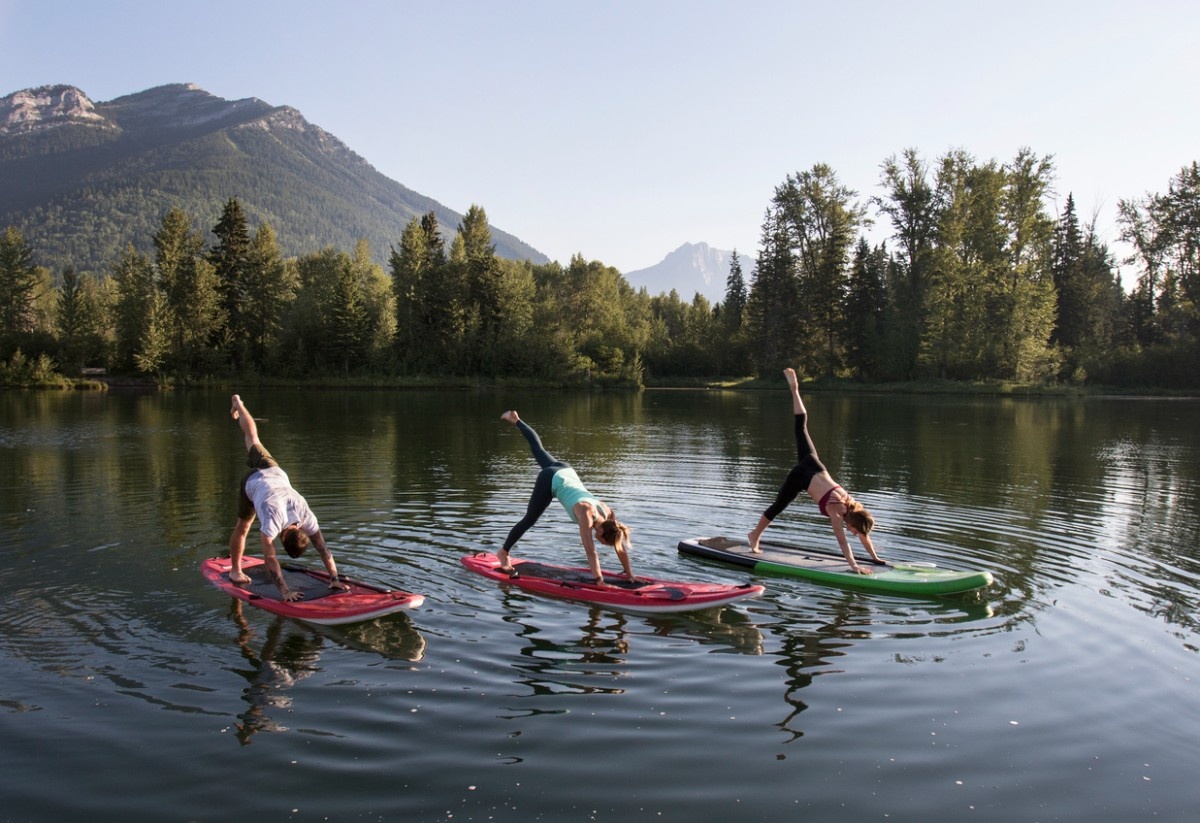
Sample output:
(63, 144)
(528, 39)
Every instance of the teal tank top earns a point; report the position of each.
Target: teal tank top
(569, 490)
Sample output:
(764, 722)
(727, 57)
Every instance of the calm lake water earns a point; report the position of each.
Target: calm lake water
(132, 690)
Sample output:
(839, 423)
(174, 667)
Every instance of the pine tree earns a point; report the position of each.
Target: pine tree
(191, 312)
(911, 204)
(774, 320)
(18, 290)
(136, 292)
(229, 259)
(866, 305)
(270, 288)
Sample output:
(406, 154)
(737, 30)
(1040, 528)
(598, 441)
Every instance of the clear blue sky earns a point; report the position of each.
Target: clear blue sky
(622, 129)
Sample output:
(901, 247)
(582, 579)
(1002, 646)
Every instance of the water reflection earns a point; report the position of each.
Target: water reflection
(289, 651)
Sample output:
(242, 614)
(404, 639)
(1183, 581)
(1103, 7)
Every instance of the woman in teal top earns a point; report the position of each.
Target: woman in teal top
(557, 480)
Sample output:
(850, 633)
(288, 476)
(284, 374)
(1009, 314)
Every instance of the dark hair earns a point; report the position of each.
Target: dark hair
(610, 530)
(294, 541)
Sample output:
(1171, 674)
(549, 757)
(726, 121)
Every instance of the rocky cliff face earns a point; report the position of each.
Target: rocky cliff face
(159, 114)
(48, 107)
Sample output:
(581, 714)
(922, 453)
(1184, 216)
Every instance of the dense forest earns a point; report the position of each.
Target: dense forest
(978, 282)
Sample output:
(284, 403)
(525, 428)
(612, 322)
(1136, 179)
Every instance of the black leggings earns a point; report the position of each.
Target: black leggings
(802, 473)
(542, 495)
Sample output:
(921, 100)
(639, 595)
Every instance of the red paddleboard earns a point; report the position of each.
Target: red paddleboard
(646, 596)
(320, 604)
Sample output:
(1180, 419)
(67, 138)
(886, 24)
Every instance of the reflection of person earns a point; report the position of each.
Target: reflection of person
(558, 480)
(283, 660)
(810, 475)
(267, 493)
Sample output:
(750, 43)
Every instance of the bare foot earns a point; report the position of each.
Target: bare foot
(510, 416)
(505, 566)
(753, 541)
(790, 375)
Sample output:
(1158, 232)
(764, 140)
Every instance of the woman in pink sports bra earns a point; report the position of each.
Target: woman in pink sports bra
(810, 475)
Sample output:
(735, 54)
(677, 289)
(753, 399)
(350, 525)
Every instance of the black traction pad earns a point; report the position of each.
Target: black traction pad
(261, 585)
(530, 568)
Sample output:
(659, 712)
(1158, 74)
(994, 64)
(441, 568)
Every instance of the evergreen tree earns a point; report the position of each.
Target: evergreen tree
(191, 312)
(774, 320)
(136, 293)
(821, 219)
(79, 323)
(18, 290)
(911, 204)
(229, 259)
(408, 264)
(475, 255)
(346, 324)
(378, 305)
(734, 305)
(867, 305)
(270, 288)
(730, 351)
(1069, 279)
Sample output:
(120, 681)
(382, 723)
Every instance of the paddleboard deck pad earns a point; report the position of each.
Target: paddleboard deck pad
(645, 596)
(320, 604)
(783, 558)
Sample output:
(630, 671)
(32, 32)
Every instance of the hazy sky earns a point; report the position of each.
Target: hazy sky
(621, 130)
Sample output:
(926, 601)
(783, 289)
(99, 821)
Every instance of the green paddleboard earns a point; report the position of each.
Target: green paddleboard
(781, 558)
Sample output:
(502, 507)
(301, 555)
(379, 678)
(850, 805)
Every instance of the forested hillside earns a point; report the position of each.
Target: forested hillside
(82, 180)
(977, 282)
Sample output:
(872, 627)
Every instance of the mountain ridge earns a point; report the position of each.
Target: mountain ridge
(690, 269)
(82, 179)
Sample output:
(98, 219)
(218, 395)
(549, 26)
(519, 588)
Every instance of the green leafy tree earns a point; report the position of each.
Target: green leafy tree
(1028, 299)
(1164, 230)
(821, 218)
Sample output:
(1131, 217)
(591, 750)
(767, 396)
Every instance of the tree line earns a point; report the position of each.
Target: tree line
(977, 282)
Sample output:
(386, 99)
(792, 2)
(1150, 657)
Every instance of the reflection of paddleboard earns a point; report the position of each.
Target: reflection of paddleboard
(646, 596)
(320, 603)
(781, 558)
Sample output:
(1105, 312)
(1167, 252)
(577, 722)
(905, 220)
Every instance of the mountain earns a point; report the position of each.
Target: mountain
(81, 179)
(691, 268)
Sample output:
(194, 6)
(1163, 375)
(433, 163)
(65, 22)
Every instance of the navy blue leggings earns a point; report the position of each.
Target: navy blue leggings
(542, 495)
(801, 475)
